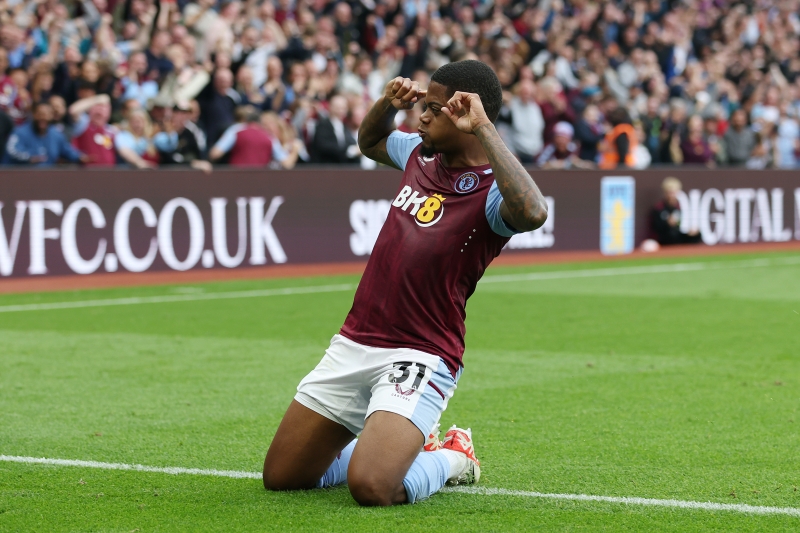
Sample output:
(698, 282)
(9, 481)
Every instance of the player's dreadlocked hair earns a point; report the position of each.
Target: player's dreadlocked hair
(471, 76)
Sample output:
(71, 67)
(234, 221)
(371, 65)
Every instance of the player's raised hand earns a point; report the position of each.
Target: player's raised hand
(403, 93)
(466, 111)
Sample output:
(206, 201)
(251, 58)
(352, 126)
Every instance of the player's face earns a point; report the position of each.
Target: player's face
(438, 132)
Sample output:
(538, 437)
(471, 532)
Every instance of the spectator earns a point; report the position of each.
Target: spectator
(92, 134)
(185, 81)
(739, 140)
(38, 142)
(357, 115)
(763, 154)
(249, 94)
(554, 106)
(333, 143)
(712, 131)
(652, 122)
(135, 83)
(277, 96)
(182, 142)
(363, 82)
(282, 133)
(665, 218)
(695, 150)
(247, 142)
(60, 118)
(199, 18)
(134, 141)
(217, 103)
(787, 142)
(527, 124)
(156, 55)
(14, 96)
(673, 131)
(562, 153)
(589, 131)
(641, 155)
(41, 86)
(620, 142)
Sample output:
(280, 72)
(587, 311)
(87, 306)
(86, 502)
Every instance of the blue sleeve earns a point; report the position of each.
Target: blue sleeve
(66, 150)
(498, 225)
(80, 125)
(279, 153)
(228, 139)
(399, 145)
(124, 139)
(166, 142)
(16, 149)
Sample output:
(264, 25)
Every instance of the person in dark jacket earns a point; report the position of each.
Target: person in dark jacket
(589, 132)
(333, 142)
(182, 142)
(665, 218)
(38, 142)
(217, 104)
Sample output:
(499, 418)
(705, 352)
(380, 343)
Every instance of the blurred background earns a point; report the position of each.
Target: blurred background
(280, 83)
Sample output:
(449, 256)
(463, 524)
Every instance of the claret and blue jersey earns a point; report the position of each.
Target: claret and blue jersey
(442, 231)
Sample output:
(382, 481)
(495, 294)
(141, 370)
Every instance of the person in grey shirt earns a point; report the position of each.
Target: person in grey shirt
(527, 124)
(739, 140)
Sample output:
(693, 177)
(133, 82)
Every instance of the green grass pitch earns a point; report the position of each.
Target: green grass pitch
(673, 385)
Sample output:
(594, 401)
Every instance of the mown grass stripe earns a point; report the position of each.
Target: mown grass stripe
(315, 289)
(482, 491)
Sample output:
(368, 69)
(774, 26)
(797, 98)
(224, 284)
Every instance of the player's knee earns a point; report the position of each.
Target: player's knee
(272, 481)
(279, 479)
(368, 491)
(369, 494)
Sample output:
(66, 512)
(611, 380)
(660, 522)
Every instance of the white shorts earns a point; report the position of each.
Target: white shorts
(352, 381)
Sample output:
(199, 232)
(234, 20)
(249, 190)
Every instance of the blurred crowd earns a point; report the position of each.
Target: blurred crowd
(275, 83)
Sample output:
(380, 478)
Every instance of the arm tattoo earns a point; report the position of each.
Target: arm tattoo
(374, 130)
(525, 208)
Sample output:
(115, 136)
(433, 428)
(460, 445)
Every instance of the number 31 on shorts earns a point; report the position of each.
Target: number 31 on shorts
(404, 370)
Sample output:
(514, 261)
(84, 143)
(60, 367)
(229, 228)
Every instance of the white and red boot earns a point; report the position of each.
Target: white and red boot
(460, 441)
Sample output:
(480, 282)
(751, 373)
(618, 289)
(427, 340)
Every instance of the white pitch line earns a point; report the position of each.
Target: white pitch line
(174, 470)
(315, 289)
(682, 504)
(647, 269)
(483, 491)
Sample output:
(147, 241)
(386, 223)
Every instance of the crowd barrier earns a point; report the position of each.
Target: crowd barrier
(85, 221)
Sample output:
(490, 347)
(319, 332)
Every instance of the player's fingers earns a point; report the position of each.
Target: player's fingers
(395, 84)
(455, 104)
(458, 96)
(412, 92)
(403, 89)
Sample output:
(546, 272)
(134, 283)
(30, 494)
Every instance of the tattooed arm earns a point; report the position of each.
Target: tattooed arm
(523, 206)
(400, 93)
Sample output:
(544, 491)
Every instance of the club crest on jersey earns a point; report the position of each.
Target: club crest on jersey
(466, 182)
(426, 210)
